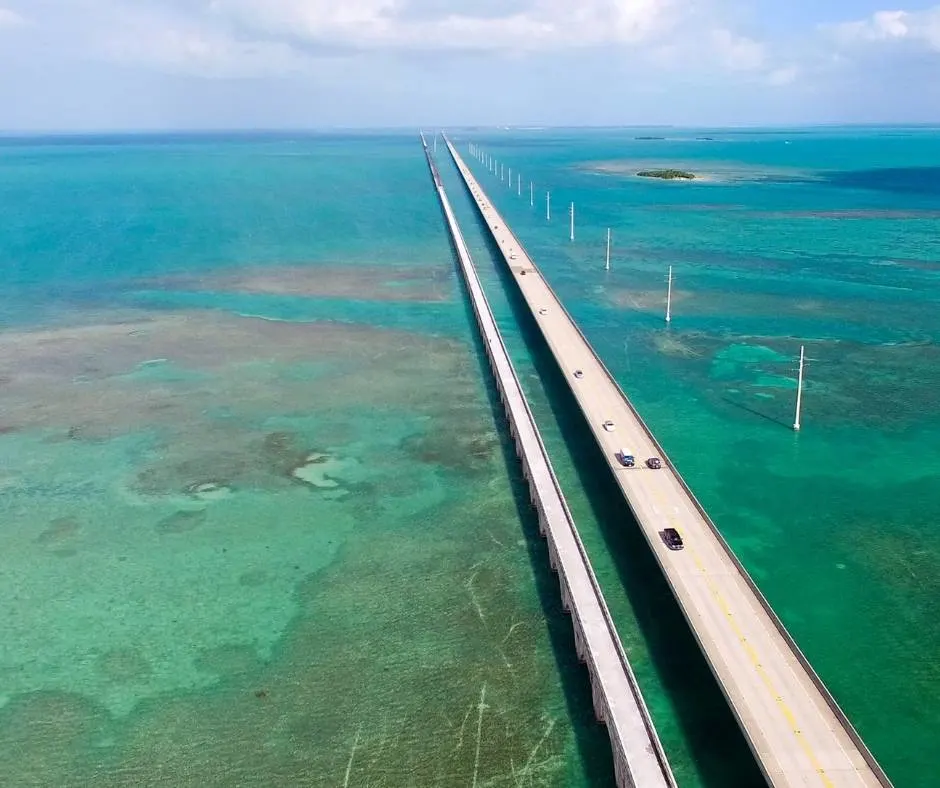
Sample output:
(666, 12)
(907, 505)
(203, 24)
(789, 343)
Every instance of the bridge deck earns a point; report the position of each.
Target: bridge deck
(794, 727)
(638, 756)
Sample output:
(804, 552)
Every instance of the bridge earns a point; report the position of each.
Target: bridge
(793, 725)
(639, 761)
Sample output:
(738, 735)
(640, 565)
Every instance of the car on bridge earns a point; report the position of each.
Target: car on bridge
(655, 463)
(671, 538)
(626, 459)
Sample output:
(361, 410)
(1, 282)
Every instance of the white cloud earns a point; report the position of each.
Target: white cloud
(183, 43)
(203, 52)
(918, 28)
(10, 18)
(785, 75)
(738, 53)
(396, 24)
(266, 37)
(243, 38)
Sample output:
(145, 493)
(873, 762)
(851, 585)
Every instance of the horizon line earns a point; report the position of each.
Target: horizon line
(413, 128)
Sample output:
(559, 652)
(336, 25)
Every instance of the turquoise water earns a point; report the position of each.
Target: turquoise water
(261, 521)
(823, 237)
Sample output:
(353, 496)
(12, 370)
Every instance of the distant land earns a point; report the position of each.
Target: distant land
(667, 175)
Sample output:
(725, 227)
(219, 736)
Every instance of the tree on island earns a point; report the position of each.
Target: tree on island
(667, 175)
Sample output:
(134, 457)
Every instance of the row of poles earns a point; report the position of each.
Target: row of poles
(496, 167)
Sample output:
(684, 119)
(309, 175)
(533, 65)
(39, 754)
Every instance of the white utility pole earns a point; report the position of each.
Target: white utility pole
(607, 264)
(571, 211)
(510, 177)
(799, 392)
(519, 185)
(669, 297)
(531, 194)
(548, 206)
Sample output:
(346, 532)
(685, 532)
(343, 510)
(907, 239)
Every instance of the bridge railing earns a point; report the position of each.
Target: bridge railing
(582, 551)
(768, 609)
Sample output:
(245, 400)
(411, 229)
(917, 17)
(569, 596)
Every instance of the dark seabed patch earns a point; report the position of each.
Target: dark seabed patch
(848, 383)
(249, 622)
(368, 683)
(124, 665)
(849, 213)
(818, 313)
(320, 280)
(898, 180)
(60, 530)
(182, 521)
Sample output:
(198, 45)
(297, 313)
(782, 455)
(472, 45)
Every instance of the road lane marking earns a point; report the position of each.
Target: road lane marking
(754, 658)
(749, 649)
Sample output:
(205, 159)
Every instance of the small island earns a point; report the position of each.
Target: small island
(667, 175)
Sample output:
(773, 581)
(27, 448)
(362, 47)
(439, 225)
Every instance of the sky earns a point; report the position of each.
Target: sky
(97, 65)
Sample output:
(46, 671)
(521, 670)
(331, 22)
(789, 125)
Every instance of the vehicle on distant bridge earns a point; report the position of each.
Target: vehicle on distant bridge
(672, 538)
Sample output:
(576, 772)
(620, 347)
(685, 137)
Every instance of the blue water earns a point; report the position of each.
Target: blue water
(259, 515)
(824, 237)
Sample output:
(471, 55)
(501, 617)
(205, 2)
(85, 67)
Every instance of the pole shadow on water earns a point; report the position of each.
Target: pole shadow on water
(590, 736)
(715, 740)
(755, 412)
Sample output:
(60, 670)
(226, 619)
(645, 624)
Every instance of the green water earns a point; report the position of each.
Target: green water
(261, 522)
(837, 523)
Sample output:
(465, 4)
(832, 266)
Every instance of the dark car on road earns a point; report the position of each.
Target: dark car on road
(655, 463)
(626, 459)
(672, 538)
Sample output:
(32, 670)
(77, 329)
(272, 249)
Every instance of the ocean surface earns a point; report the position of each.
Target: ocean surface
(260, 519)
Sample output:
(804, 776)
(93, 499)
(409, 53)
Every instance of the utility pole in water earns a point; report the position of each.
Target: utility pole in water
(548, 206)
(607, 264)
(799, 391)
(669, 297)
(571, 211)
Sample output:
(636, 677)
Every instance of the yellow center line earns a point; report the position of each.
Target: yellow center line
(753, 656)
(716, 593)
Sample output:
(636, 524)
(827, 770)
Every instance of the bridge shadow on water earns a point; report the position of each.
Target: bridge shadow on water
(715, 741)
(591, 738)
